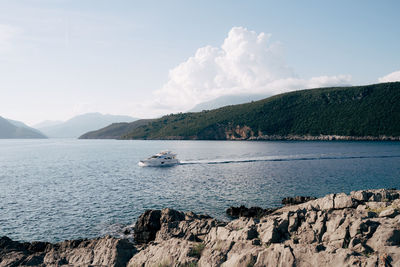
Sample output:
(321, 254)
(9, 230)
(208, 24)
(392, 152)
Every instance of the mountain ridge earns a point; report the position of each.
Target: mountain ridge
(18, 130)
(83, 123)
(46, 123)
(115, 130)
(227, 100)
(363, 112)
(23, 125)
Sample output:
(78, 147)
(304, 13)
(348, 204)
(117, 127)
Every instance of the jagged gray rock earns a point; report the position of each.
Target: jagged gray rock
(147, 226)
(359, 229)
(106, 251)
(296, 200)
(362, 229)
(242, 211)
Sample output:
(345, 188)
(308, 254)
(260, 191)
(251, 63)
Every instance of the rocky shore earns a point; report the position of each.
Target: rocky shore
(359, 229)
(323, 138)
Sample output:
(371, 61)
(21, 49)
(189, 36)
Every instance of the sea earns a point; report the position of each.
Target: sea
(58, 189)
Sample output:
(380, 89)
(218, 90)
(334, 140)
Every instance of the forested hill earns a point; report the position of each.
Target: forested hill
(361, 112)
(115, 130)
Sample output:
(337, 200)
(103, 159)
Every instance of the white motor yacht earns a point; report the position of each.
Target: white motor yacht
(164, 158)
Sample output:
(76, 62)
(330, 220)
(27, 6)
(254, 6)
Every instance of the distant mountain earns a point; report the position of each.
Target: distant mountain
(227, 100)
(23, 125)
(17, 129)
(115, 130)
(18, 123)
(46, 124)
(81, 124)
(369, 112)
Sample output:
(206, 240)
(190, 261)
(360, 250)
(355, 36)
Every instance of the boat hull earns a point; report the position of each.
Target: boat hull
(158, 163)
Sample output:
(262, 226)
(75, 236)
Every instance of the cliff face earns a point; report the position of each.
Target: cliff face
(360, 229)
(238, 132)
(246, 133)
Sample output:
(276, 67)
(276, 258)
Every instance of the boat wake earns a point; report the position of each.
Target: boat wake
(289, 158)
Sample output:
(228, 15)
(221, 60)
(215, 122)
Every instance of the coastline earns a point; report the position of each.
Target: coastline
(362, 228)
(245, 137)
(324, 138)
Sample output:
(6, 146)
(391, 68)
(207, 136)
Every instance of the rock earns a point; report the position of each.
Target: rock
(147, 226)
(385, 232)
(189, 226)
(325, 203)
(376, 206)
(360, 195)
(320, 248)
(296, 200)
(159, 225)
(389, 212)
(242, 222)
(336, 230)
(172, 252)
(242, 254)
(378, 195)
(253, 212)
(232, 234)
(106, 251)
(342, 201)
(170, 216)
(276, 255)
(252, 233)
(274, 230)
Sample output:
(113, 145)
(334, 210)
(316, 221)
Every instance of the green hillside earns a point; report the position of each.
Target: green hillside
(115, 130)
(372, 110)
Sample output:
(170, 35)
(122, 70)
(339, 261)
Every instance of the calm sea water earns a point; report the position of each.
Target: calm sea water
(63, 189)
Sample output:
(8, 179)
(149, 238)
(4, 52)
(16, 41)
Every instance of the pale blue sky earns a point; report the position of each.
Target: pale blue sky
(59, 58)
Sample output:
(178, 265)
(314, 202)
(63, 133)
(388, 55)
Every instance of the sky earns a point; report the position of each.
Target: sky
(61, 58)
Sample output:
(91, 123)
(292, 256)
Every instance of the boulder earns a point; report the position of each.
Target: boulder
(389, 212)
(296, 200)
(106, 251)
(274, 230)
(253, 212)
(242, 254)
(172, 252)
(215, 252)
(191, 227)
(159, 225)
(147, 226)
(342, 201)
(276, 255)
(325, 203)
(386, 233)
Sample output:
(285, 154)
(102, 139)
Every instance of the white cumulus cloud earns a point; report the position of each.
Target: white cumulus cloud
(391, 77)
(246, 62)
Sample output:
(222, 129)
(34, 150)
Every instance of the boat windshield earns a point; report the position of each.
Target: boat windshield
(163, 155)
